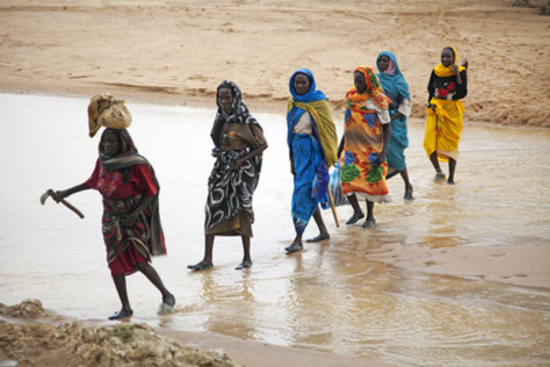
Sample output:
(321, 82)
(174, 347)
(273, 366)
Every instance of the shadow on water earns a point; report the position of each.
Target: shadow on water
(328, 297)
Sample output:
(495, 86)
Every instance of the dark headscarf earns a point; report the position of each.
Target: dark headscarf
(239, 112)
(128, 155)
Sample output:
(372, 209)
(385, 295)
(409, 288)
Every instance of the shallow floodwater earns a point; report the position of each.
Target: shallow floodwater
(327, 298)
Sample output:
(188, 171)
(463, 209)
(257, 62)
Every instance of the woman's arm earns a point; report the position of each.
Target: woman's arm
(73, 190)
(462, 89)
(387, 135)
(431, 88)
(131, 219)
(341, 146)
(252, 154)
(396, 116)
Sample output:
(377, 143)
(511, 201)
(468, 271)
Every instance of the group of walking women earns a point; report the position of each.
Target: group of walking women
(371, 151)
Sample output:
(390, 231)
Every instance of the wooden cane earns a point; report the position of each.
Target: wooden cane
(332, 207)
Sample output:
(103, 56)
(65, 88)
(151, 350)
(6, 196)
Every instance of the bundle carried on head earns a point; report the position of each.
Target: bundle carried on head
(105, 110)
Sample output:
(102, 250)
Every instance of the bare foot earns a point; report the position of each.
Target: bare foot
(355, 217)
(121, 314)
(244, 265)
(439, 176)
(203, 265)
(369, 223)
(320, 237)
(294, 247)
(408, 193)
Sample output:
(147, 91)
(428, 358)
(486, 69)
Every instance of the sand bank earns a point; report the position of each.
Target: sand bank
(52, 340)
(177, 52)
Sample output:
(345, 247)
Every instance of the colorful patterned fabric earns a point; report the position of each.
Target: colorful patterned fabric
(364, 142)
(311, 154)
(335, 189)
(396, 88)
(123, 180)
(232, 191)
(443, 129)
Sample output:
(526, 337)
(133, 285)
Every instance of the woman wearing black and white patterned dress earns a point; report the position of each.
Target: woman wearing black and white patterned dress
(239, 143)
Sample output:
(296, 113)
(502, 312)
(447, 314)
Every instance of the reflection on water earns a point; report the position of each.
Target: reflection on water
(326, 298)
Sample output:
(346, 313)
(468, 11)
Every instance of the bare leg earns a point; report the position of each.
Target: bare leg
(452, 167)
(408, 187)
(323, 232)
(357, 212)
(206, 262)
(120, 284)
(247, 260)
(370, 222)
(154, 277)
(439, 175)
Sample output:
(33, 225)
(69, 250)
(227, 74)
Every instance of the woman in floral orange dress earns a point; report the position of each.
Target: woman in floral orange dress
(364, 144)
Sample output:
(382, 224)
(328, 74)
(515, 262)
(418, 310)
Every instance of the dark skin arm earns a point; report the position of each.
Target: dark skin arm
(252, 154)
(341, 146)
(387, 135)
(131, 219)
(73, 190)
(396, 116)
(128, 222)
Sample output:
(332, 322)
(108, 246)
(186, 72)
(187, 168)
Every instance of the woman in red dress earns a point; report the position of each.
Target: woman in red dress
(131, 224)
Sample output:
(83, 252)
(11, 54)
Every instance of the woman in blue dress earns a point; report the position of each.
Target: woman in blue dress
(312, 143)
(397, 89)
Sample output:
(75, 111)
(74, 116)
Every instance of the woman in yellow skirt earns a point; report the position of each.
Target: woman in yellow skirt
(447, 86)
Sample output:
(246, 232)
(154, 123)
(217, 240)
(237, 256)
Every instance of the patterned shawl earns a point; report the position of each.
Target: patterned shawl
(127, 157)
(239, 112)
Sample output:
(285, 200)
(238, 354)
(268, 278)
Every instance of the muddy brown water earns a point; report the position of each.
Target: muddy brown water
(327, 298)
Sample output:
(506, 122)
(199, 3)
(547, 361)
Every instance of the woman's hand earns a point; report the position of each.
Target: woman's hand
(130, 220)
(381, 159)
(454, 69)
(60, 195)
(237, 165)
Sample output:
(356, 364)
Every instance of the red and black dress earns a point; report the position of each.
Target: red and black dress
(123, 181)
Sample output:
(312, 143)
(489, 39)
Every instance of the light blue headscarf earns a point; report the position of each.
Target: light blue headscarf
(396, 85)
(393, 83)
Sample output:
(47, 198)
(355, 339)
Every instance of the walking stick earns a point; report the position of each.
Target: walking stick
(332, 207)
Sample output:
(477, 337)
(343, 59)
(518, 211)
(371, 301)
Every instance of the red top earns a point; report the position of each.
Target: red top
(110, 184)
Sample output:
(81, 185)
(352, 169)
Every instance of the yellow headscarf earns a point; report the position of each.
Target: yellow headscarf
(442, 71)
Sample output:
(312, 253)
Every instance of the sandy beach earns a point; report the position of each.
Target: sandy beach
(177, 52)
